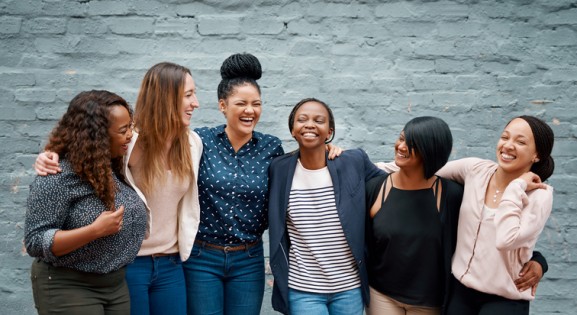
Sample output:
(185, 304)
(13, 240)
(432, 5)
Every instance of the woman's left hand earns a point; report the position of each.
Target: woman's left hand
(533, 181)
(334, 151)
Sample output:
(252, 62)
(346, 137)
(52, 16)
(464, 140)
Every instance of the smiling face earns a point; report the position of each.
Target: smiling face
(311, 126)
(119, 130)
(404, 158)
(516, 150)
(242, 110)
(189, 100)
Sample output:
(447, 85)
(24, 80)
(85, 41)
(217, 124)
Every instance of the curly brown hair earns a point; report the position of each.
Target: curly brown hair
(81, 137)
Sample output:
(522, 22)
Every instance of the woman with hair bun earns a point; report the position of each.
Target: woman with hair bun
(505, 207)
(225, 271)
(85, 223)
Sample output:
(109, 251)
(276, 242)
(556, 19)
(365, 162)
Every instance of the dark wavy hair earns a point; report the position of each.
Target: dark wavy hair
(237, 70)
(431, 138)
(81, 137)
(544, 139)
(291, 118)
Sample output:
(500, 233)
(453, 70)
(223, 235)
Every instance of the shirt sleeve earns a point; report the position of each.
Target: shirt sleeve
(389, 167)
(47, 208)
(520, 217)
(457, 170)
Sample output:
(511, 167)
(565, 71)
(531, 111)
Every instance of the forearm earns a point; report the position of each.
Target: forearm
(71, 240)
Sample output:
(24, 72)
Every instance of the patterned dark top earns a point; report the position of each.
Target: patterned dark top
(65, 202)
(233, 187)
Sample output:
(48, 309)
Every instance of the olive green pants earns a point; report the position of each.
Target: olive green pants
(59, 290)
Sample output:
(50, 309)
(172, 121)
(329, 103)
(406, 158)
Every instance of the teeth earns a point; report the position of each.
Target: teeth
(402, 155)
(507, 156)
(309, 135)
(247, 119)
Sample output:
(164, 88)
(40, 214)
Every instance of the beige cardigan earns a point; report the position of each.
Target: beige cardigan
(189, 206)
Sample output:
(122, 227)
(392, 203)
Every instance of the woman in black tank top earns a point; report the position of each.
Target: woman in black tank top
(411, 213)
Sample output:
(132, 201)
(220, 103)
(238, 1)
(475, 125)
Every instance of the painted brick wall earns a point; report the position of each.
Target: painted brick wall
(475, 64)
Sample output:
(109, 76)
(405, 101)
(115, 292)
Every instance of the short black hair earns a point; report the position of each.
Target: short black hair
(431, 138)
(544, 139)
(237, 70)
(291, 119)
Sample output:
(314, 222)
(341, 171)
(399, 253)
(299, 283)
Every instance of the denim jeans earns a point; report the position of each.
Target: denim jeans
(341, 303)
(156, 285)
(225, 282)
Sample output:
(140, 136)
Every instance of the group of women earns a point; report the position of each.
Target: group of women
(176, 226)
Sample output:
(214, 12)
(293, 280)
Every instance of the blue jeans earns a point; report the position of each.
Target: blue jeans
(225, 282)
(341, 303)
(156, 285)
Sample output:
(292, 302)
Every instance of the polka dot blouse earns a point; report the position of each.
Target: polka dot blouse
(64, 202)
(233, 187)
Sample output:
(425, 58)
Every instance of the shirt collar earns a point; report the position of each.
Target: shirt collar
(219, 130)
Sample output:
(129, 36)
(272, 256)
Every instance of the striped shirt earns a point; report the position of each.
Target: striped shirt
(320, 260)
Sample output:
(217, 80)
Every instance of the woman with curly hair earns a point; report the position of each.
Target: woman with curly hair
(85, 223)
(161, 165)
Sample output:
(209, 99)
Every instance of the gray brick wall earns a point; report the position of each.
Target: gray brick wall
(378, 63)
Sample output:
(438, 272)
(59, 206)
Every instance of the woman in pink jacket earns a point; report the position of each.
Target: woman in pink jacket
(505, 207)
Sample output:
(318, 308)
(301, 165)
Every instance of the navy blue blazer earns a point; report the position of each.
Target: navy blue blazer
(349, 172)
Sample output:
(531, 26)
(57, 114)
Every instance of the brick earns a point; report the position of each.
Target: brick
(35, 95)
(105, 8)
(336, 10)
(10, 25)
(460, 29)
(563, 17)
(86, 26)
(185, 27)
(219, 25)
(44, 26)
(559, 37)
(66, 8)
(454, 66)
(17, 79)
(266, 26)
(130, 25)
(16, 113)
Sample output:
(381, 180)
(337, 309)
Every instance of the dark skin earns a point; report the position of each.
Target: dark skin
(530, 276)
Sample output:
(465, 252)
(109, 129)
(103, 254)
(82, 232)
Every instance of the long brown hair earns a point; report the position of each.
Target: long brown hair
(81, 137)
(158, 120)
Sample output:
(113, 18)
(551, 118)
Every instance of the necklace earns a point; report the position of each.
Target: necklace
(497, 191)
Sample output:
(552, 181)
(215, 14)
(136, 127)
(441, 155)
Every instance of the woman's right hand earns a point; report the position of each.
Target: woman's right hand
(108, 222)
(47, 163)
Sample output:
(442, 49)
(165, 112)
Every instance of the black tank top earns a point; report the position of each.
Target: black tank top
(405, 247)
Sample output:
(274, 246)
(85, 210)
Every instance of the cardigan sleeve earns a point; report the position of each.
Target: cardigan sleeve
(521, 217)
(457, 170)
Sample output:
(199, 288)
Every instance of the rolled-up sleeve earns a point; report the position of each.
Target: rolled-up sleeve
(47, 207)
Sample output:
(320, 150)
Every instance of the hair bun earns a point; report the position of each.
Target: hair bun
(241, 66)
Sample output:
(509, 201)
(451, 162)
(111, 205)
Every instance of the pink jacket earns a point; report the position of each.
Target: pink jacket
(493, 245)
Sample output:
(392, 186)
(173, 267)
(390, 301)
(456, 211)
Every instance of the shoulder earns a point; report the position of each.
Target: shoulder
(376, 181)
(56, 181)
(358, 154)
(206, 132)
(283, 159)
(266, 139)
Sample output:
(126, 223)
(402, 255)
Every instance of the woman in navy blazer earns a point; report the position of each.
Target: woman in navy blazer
(298, 246)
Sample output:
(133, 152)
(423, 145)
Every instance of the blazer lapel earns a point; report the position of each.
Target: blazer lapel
(331, 164)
